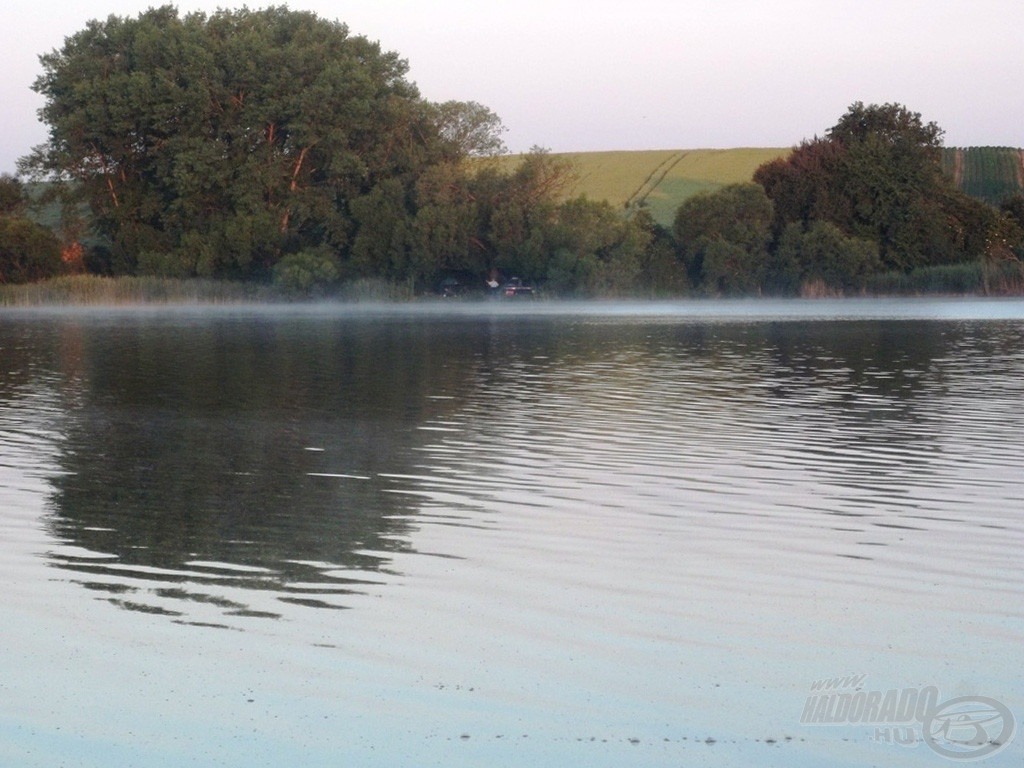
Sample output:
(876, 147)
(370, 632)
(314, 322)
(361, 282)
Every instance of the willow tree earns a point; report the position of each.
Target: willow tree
(216, 144)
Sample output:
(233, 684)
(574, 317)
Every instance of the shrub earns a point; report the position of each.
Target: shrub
(569, 273)
(730, 269)
(308, 272)
(840, 261)
(28, 251)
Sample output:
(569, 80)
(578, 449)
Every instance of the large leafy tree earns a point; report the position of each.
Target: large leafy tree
(876, 175)
(521, 210)
(216, 144)
(891, 124)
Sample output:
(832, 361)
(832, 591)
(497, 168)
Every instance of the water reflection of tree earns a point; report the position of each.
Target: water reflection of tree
(26, 351)
(252, 443)
(247, 441)
(877, 395)
(852, 413)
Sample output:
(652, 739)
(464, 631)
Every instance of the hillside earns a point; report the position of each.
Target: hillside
(991, 174)
(662, 179)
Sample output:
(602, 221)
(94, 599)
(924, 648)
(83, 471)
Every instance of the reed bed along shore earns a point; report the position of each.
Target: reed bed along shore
(971, 279)
(1000, 278)
(94, 290)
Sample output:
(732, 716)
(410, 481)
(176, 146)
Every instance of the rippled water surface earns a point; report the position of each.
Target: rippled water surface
(557, 535)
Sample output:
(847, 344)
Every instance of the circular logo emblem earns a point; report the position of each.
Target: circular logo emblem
(968, 727)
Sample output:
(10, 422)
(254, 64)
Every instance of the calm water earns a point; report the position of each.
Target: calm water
(549, 536)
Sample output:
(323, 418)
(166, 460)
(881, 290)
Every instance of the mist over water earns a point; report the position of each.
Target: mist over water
(503, 534)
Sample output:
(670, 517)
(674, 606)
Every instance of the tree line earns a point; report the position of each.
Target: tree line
(273, 145)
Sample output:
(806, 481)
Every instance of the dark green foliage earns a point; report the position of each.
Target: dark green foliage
(824, 254)
(28, 251)
(470, 129)
(384, 231)
(889, 176)
(806, 186)
(729, 269)
(445, 228)
(891, 125)
(469, 220)
(596, 247)
(307, 273)
(520, 212)
(219, 145)
(12, 196)
(1012, 226)
(724, 238)
(662, 272)
(877, 176)
(1014, 208)
(224, 142)
(273, 145)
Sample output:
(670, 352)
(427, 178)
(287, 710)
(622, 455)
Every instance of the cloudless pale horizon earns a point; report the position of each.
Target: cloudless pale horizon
(648, 74)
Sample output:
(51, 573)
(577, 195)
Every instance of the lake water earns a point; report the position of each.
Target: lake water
(509, 535)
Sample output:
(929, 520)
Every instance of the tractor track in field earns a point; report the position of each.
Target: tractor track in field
(654, 179)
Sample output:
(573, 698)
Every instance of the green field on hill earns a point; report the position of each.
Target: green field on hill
(662, 179)
(991, 174)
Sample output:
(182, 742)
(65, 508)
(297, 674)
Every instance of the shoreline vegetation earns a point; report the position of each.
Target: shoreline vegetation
(238, 186)
(976, 279)
(128, 290)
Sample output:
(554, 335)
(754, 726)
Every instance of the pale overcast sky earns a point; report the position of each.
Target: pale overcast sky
(640, 74)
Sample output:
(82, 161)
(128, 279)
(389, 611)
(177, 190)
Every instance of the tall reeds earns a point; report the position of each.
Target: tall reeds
(92, 290)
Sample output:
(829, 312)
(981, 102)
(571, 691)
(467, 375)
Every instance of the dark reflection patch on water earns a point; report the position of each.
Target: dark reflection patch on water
(292, 459)
(603, 523)
(247, 455)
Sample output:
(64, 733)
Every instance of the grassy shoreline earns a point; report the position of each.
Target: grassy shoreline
(96, 291)
(958, 280)
(92, 290)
